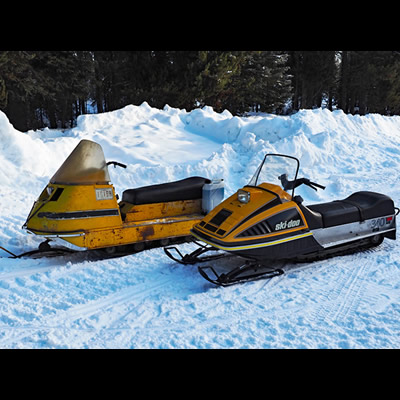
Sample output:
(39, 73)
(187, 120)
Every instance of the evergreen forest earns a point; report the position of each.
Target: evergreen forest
(52, 88)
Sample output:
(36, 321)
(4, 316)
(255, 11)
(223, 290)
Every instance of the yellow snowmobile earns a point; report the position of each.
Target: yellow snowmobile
(80, 206)
(264, 222)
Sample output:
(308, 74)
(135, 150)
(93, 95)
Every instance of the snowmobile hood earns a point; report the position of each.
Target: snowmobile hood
(232, 218)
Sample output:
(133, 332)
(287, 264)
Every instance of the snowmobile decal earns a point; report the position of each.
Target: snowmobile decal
(79, 214)
(286, 220)
(380, 222)
(252, 246)
(104, 194)
(287, 225)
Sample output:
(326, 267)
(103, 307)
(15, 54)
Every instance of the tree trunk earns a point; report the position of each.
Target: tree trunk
(343, 98)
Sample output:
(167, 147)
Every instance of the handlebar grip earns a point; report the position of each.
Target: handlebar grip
(115, 163)
(318, 185)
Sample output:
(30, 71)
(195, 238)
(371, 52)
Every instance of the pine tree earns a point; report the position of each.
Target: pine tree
(3, 94)
(369, 82)
(218, 70)
(274, 84)
(382, 85)
(3, 89)
(19, 84)
(314, 77)
(64, 79)
(343, 82)
(262, 83)
(393, 94)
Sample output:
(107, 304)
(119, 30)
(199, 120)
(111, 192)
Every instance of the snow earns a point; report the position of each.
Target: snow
(149, 301)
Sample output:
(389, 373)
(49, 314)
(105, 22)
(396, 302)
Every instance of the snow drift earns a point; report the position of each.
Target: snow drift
(146, 300)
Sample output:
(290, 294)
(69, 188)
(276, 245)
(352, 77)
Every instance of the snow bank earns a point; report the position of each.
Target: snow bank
(148, 301)
(163, 145)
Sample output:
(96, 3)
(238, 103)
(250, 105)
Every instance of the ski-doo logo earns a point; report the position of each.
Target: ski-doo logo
(287, 225)
(286, 219)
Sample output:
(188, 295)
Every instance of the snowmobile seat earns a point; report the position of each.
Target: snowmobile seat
(185, 189)
(372, 204)
(313, 218)
(336, 213)
(356, 208)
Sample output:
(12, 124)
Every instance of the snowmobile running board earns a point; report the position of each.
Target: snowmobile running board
(233, 277)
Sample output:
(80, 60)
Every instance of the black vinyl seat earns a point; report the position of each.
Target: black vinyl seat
(356, 208)
(185, 189)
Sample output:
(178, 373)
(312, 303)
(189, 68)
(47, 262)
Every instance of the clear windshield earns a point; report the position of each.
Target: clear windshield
(86, 165)
(273, 167)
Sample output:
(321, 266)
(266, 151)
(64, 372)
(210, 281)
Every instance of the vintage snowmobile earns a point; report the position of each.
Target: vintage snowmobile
(262, 222)
(80, 206)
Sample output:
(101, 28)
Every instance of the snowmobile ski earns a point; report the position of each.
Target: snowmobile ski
(194, 256)
(44, 250)
(239, 274)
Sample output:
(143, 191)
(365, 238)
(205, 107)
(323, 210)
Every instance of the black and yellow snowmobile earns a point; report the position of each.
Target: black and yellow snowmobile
(262, 222)
(80, 206)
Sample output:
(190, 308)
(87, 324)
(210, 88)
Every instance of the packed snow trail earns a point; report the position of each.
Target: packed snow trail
(148, 301)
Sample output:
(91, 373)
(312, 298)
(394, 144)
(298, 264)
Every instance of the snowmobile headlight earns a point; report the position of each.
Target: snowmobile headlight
(49, 190)
(243, 196)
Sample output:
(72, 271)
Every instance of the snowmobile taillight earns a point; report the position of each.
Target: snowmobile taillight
(243, 196)
(388, 219)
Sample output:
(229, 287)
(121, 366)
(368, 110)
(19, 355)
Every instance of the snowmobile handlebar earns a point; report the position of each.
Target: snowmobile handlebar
(288, 185)
(116, 163)
(312, 184)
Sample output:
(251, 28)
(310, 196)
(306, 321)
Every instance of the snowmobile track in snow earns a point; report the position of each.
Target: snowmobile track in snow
(343, 297)
(105, 311)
